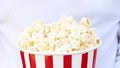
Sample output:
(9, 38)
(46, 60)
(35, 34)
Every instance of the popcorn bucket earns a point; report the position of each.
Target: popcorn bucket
(79, 59)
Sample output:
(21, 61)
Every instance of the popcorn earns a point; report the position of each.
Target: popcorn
(65, 35)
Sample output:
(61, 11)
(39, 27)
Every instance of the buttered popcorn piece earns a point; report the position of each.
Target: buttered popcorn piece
(65, 35)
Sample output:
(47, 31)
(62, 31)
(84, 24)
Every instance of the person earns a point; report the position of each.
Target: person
(104, 16)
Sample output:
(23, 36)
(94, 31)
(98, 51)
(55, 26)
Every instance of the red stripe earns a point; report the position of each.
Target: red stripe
(84, 60)
(32, 61)
(94, 58)
(67, 61)
(23, 59)
(48, 61)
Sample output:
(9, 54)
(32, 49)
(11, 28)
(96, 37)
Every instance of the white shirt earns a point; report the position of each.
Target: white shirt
(104, 16)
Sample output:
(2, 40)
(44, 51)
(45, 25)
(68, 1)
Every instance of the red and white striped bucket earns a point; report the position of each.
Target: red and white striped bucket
(82, 59)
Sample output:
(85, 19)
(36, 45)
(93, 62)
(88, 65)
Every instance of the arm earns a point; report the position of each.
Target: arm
(117, 62)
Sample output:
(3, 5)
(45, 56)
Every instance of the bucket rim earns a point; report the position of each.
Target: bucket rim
(59, 53)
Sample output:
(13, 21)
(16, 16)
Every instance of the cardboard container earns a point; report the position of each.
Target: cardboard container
(79, 59)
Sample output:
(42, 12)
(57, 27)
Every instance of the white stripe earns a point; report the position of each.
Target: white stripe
(27, 60)
(58, 61)
(76, 61)
(40, 61)
(90, 59)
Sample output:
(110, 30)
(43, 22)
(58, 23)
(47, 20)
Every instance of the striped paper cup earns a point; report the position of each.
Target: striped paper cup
(80, 59)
